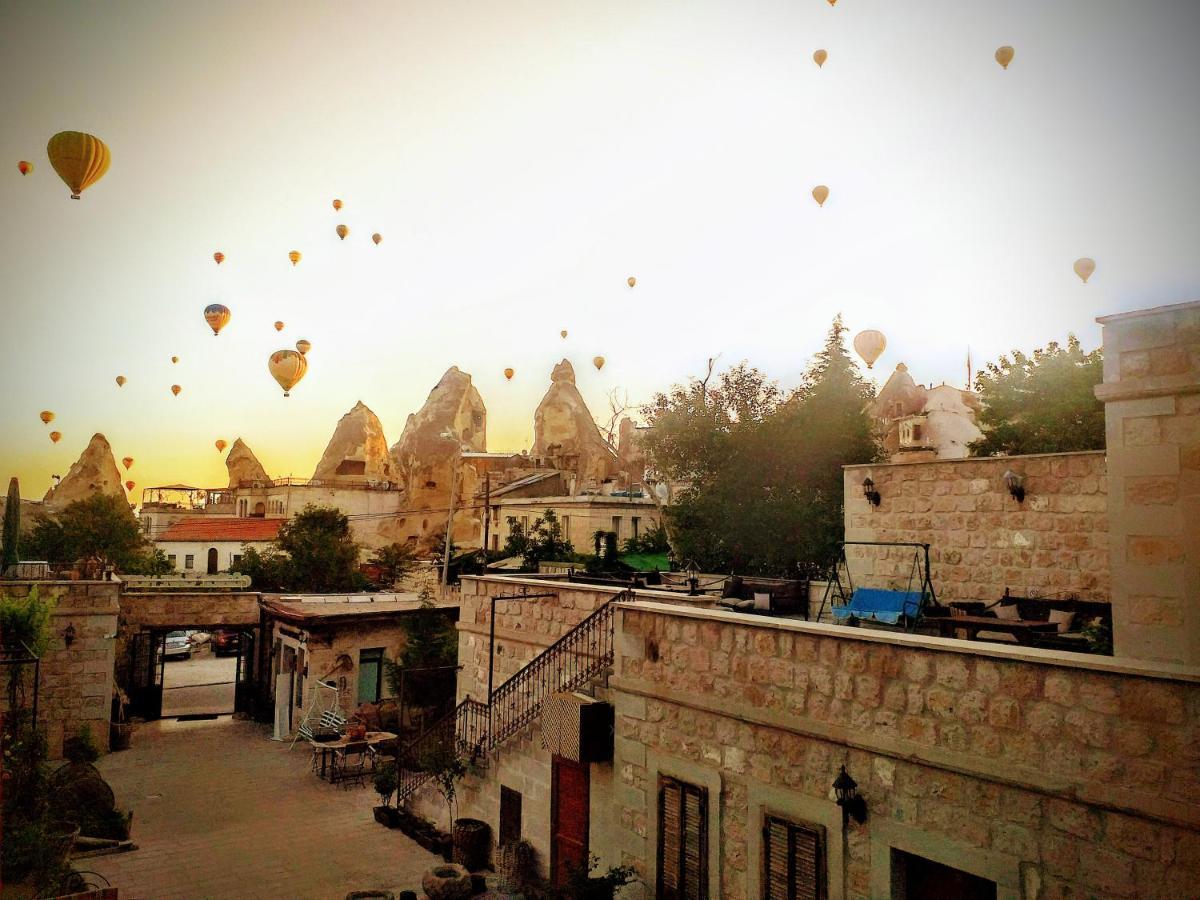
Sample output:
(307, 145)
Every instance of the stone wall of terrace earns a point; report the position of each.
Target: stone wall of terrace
(981, 539)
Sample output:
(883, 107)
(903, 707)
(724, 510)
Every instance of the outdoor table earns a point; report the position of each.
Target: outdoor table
(372, 739)
(1024, 630)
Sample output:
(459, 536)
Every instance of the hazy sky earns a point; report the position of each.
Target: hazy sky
(521, 160)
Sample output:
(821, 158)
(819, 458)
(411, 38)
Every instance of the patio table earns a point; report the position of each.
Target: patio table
(372, 739)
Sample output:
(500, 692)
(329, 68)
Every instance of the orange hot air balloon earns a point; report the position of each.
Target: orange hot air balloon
(342, 231)
(631, 281)
(24, 167)
(127, 462)
(1005, 55)
(819, 58)
(56, 436)
(79, 159)
(120, 381)
(303, 346)
(175, 389)
(287, 367)
(508, 374)
(820, 194)
(219, 257)
(129, 485)
(294, 256)
(337, 205)
(174, 360)
(598, 362)
(217, 316)
(1084, 268)
(869, 345)
(377, 238)
(563, 334)
(832, 2)
(46, 416)
(220, 445)
(279, 326)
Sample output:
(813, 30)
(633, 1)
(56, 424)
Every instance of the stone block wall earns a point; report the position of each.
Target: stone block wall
(1054, 778)
(981, 539)
(1151, 392)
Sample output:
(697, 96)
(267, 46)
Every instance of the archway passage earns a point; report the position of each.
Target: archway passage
(192, 673)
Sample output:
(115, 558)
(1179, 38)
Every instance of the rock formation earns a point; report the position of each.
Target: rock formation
(631, 452)
(95, 472)
(357, 452)
(565, 435)
(244, 466)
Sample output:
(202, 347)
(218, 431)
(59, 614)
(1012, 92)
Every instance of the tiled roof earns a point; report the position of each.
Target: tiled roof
(213, 528)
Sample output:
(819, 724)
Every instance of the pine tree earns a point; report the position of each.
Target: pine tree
(12, 526)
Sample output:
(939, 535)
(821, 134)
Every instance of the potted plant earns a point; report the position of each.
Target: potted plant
(446, 768)
(385, 787)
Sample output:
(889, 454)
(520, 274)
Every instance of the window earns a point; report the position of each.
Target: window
(682, 840)
(370, 674)
(916, 433)
(146, 525)
(566, 528)
(171, 557)
(616, 528)
(237, 558)
(793, 860)
(921, 877)
(510, 815)
(634, 522)
(189, 561)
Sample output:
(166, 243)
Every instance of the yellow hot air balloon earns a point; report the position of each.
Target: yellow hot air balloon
(129, 485)
(79, 159)
(869, 345)
(820, 194)
(342, 231)
(303, 346)
(220, 445)
(337, 205)
(1084, 268)
(1005, 55)
(219, 257)
(174, 360)
(24, 167)
(121, 381)
(217, 316)
(598, 362)
(287, 367)
(631, 281)
(819, 58)
(832, 2)
(279, 326)
(563, 334)
(377, 238)
(46, 416)
(127, 462)
(56, 436)
(175, 389)
(508, 374)
(294, 256)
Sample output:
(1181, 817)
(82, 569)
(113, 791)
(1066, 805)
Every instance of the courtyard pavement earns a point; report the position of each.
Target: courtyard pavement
(220, 810)
(202, 684)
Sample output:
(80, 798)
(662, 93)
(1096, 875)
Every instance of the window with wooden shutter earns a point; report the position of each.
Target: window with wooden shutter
(793, 860)
(682, 841)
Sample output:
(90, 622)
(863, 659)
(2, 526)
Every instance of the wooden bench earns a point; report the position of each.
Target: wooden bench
(1026, 631)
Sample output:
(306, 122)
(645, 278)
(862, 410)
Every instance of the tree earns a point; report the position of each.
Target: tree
(419, 670)
(98, 526)
(1044, 403)
(546, 542)
(516, 542)
(12, 527)
(393, 562)
(322, 554)
(268, 569)
(761, 471)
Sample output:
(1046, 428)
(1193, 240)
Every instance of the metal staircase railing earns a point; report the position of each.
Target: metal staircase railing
(473, 728)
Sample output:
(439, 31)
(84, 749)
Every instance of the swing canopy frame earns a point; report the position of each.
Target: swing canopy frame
(884, 606)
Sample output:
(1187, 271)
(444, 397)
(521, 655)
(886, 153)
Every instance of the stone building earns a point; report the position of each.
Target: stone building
(211, 544)
(920, 423)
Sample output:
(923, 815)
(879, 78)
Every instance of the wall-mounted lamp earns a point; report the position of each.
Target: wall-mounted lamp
(69, 634)
(870, 493)
(1015, 484)
(846, 790)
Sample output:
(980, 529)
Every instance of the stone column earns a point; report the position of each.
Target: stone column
(1151, 393)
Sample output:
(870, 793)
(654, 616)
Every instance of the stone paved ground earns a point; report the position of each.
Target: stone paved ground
(222, 811)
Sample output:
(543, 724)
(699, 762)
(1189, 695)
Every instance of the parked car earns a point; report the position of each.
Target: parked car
(178, 645)
(224, 642)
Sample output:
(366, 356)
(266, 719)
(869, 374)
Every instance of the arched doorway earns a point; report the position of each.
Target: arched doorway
(212, 560)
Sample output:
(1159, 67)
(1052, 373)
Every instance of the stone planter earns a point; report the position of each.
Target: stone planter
(472, 844)
(448, 882)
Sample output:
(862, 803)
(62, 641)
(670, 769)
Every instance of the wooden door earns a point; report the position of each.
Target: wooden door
(570, 797)
(212, 560)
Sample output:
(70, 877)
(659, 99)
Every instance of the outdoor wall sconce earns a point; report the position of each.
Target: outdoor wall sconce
(846, 790)
(870, 493)
(69, 634)
(1015, 484)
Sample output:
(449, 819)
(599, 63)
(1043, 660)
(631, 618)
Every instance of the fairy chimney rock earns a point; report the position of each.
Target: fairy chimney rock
(243, 465)
(95, 472)
(564, 433)
(357, 452)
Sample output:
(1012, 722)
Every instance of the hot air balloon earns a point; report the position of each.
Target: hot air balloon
(342, 231)
(832, 2)
(869, 344)
(1084, 268)
(508, 374)
(219, 257)
(819, 58)
(127, 462)
(287, 367)
(175, 389)
(56, 436)
(598, 362)
(129, 485)
(174, 360)
(79, 159)
(337, 205)
(279, 326)
(24, 167)
(1005, 55)
(563, 334)
(46, 416)
(820, 194)
(121, 381)
(377, 238)
(294, 256)
(220, 445)
(303, 346)
(217, 317)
